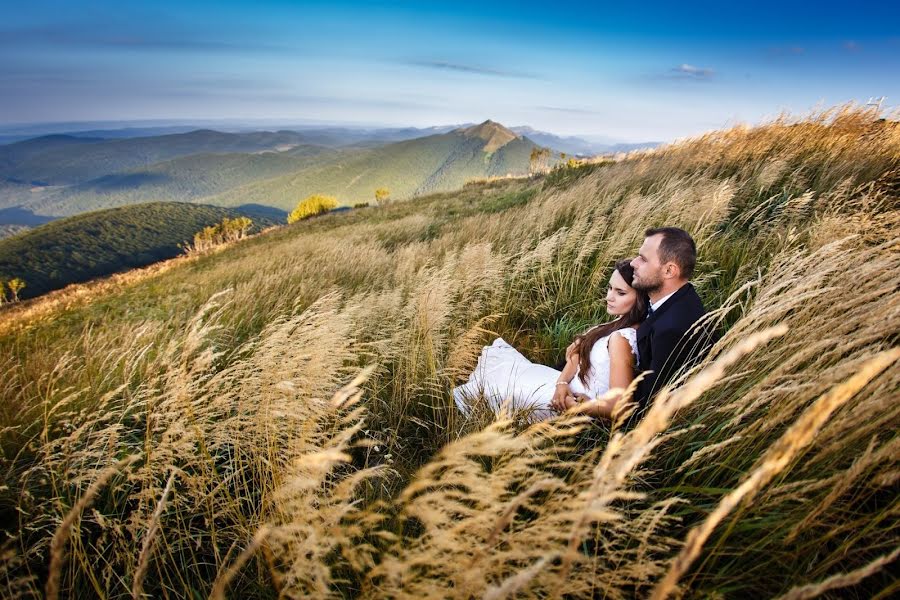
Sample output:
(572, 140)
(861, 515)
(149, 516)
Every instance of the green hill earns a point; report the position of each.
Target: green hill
(410, 168)
(95, 244)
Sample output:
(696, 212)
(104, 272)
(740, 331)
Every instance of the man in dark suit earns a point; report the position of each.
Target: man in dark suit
(667, 340)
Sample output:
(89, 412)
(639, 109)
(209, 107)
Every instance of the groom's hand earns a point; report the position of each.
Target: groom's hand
(569, 401)
(574, 400)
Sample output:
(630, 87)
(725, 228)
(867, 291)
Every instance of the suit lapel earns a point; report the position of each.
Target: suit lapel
(647, 326)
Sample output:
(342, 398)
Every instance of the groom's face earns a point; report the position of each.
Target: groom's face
(648, 270)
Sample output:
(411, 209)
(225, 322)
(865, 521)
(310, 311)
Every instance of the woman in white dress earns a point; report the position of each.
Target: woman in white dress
(602, 358)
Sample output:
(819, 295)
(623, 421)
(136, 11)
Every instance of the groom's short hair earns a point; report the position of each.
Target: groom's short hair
(676, 246)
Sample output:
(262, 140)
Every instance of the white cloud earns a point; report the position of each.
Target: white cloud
(687, 71)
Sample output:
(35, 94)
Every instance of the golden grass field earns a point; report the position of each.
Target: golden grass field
(275, 419)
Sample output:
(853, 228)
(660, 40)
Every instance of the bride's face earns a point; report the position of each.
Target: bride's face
(620, 297)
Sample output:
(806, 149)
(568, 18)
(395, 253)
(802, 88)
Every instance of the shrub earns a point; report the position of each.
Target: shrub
(383, 196)
(312, 206)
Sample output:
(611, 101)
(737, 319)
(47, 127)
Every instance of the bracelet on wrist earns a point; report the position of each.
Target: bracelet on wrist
(562, 383)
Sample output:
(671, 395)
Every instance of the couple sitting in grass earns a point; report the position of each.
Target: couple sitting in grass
(655, 309)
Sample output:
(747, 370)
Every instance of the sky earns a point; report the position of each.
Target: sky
(624, 71)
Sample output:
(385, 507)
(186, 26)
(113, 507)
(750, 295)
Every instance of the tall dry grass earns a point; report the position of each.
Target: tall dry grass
(286, 402)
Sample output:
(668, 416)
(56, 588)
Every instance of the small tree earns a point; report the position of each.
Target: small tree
(243, 225)
(382, 196)
(229, 230)
(539, 160)
(235, 229)
(312, 206)
(203, 240)
(15, 286)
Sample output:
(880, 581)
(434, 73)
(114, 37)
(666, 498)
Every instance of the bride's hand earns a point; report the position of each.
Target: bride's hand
(558, 403)
(572, 349)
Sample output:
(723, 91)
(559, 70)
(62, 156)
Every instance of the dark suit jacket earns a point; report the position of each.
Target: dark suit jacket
(665, 344)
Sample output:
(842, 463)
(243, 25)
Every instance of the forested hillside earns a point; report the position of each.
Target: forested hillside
(100, 243)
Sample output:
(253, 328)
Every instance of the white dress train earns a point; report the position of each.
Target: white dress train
(503, 375)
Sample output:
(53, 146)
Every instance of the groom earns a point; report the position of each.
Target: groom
(665, 340)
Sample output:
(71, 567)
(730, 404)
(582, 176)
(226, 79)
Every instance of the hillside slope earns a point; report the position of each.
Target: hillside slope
(410, 168)
(281, 412)
(100, 243)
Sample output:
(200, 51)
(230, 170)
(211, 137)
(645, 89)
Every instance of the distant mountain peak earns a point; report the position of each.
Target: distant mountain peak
(494, 134)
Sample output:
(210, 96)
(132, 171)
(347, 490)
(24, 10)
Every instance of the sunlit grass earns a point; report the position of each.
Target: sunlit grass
(275, 418)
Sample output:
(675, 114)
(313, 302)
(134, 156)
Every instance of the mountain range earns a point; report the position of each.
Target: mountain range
(326, 135)
(61, 175)
(58, 175)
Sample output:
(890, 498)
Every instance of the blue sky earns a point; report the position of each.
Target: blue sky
(623, 71)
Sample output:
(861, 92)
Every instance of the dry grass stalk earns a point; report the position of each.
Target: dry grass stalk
(841, 580)
(144, 558)
(58, 545)
(514, 583)
(795, 439)
(225, 577)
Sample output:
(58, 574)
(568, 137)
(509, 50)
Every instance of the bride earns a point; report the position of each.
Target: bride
(601, 358)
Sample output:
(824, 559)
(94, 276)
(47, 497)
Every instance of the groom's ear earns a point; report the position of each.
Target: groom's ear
(671, 269)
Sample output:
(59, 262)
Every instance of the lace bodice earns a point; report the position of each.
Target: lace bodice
(598, 378)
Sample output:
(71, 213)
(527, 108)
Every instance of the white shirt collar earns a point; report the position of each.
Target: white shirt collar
(655, 305)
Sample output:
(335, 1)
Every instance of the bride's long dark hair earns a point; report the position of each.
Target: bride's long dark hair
(634, 317)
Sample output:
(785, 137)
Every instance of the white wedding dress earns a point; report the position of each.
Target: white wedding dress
(503, 375)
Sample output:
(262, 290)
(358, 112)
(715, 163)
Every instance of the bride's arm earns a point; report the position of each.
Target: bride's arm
(621, 373)
(562, 382)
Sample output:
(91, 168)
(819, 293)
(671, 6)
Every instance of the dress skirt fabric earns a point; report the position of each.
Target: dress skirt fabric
(505, 378)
